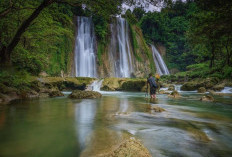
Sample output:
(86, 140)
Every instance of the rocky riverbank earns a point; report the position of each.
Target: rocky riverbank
(52, 86)
(42, 87)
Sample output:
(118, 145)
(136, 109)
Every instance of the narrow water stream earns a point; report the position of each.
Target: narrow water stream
(65, 127)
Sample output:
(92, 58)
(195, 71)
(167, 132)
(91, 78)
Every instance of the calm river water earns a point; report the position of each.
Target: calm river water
(58, 127)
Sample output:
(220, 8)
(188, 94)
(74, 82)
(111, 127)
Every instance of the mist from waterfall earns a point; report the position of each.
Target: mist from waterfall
(85, 56)
(120, 53)
(161, 67)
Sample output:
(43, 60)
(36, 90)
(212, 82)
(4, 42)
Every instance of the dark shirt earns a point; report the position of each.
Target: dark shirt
(151, 82)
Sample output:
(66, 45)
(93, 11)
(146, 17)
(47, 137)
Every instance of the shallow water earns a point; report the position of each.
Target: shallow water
(65, 127)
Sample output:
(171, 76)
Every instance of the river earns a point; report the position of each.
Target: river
(66, 127)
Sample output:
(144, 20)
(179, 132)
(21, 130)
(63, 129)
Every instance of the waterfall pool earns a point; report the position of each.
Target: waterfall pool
(67, 127)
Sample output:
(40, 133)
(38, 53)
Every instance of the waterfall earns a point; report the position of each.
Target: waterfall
(85, 56)
(159, 62)
(95, 86)
(120, 53)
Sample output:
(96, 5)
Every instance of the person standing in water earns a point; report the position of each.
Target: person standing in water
(153, 86)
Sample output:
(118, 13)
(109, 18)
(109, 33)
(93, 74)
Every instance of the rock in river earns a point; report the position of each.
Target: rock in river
(131, 147)
(207, 98)
(156, 108)
(174, 94)
(201, 90)
(77, 94)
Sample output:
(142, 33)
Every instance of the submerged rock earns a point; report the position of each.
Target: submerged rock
(174, 94)
(77, 94)
(156, 108)
(131, 147)
(207, 98)
(201, 90)
(164, 92)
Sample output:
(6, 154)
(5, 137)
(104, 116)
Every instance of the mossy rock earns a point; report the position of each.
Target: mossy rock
(210, 82)
(218, 87)
(56, 93)
(77, 94)
(111, 84)
(130, 147)
(228, 84)
(190, 86)
(133, 85)
(201, 90)
(70, 83)
(174, 94)
(6, 90)
(156, 108)
(208, 98)
(125, 84)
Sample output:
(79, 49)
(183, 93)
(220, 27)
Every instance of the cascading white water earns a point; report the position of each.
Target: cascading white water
(120, 53)
(85, 56)
(159, 62)
(226, 90)
(96, 85)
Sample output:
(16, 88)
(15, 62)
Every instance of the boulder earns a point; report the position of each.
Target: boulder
(174, 94)
(218, 87)
(29, 94)
(201, 90)
(77, 94)
(156, 108)
(133, 85)
(125, 84)
(131, 147)
(210, 82)
(228, 84)
(171, 88)
(55, 93)
(208, 98)
(6, 90)
(111, 84)
(189, 86)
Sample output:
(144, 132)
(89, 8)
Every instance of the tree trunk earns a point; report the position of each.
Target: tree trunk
(4, 57)
(5, 52)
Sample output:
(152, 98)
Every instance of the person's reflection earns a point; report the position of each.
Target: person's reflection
(84, 114)
(123, 106)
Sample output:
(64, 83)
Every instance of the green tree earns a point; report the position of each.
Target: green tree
(99, 7)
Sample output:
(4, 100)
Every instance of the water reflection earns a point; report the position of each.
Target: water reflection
(123, 106)
(85, 112)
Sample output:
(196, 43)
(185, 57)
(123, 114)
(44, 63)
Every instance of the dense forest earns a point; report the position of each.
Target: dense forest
(39, 35)
(197, 35)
